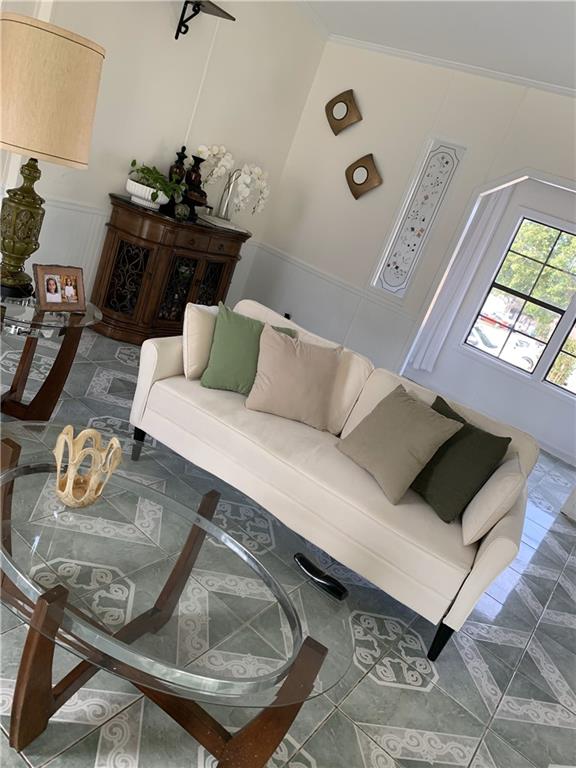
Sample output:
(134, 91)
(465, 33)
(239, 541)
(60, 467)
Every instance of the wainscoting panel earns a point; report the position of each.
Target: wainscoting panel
(315, 302)
(72, 234)
(328, 306)
(381, 334)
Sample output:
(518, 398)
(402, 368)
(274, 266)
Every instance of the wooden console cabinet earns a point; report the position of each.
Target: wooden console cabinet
(152, 265)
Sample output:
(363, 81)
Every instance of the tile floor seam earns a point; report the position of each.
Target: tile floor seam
(316, 729)
(86, 735)
(516, 668)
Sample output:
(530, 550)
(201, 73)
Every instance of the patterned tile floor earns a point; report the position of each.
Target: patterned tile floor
(501, 695)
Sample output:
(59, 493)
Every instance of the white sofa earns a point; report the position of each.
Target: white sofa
(296, 473)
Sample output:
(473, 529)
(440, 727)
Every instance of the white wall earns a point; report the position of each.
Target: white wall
(322, 246)
(237, 83)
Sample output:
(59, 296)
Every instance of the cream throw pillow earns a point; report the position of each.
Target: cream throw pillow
(493, 500)
(294, 379)
(396, 441)
(197, 333)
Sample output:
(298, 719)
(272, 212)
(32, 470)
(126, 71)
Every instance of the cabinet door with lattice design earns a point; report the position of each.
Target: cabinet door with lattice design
(211, 284)
(184, 274)
(129, 268)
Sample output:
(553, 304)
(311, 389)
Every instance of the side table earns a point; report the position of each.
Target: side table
(22, 317)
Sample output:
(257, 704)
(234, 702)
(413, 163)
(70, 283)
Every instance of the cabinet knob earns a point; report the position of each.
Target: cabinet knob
(220, 246)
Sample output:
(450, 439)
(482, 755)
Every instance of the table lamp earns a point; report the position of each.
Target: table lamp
(49, 80)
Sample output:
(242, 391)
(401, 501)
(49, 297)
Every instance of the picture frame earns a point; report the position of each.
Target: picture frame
(59, 288)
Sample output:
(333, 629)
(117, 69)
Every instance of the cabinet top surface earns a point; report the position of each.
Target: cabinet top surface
(122, 201)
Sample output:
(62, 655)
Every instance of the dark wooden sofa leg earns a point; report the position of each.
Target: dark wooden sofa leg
(443, 634)
(138, 437)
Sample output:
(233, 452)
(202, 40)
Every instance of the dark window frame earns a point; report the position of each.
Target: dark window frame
(561, 351)
(526, 298)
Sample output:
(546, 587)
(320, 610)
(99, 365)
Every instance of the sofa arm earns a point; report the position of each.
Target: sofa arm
(159, 359)
(498, 549)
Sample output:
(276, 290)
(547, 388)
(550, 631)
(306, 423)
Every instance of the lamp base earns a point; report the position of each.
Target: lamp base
(16, 291)
(20, 223)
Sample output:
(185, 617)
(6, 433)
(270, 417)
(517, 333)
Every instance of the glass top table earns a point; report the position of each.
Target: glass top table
(22, 317)
(157, 591)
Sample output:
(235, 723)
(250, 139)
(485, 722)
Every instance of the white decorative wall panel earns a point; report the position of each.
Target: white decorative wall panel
(419, 211)
(72, 234)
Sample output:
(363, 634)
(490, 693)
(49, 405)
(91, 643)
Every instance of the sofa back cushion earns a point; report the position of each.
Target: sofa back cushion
(353, 370)
(382, 382)
(197, 333)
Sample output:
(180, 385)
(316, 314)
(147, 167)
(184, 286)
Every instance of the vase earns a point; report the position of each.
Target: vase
(177, 170)
(194, 175)
(223, 211)
(76, 488)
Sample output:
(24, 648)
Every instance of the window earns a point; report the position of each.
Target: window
(563, 370)
(522, 314)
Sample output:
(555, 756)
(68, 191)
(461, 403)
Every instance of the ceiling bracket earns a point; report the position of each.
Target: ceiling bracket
(183, 28)
(198, 6)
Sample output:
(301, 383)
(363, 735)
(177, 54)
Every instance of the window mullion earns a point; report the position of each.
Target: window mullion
(556, 340)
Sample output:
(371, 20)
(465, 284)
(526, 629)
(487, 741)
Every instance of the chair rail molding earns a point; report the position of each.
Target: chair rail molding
(365, 294)
(479, 223)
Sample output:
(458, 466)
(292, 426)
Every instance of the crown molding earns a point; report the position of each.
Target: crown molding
(525, 82)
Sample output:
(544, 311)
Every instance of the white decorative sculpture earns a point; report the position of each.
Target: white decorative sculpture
(76, 489)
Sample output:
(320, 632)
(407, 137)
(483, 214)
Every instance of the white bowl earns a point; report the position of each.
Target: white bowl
(142, 195)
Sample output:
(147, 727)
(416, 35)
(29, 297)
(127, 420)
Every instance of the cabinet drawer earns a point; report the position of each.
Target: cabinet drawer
(224, 246)
(195, 241)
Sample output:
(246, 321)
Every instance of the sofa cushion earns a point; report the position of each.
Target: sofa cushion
(294, 379)
(328, 499)
(460, 467)
(382, 382)
(493, 500)
(197, 333)
(353, 370)
(234, 352)
(396, 440)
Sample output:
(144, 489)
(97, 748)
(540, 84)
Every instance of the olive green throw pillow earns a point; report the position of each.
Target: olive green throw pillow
(460, 467)
(234, 353)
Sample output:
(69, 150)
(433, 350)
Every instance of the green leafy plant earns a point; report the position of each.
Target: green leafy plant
(151, 177)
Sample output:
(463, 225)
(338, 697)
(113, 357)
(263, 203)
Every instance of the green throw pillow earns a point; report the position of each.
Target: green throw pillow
(460, 467)
(234, 353)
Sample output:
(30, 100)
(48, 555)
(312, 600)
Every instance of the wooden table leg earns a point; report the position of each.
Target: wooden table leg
(32, 705)
(10, 453)
(42, 405)
(254, 744)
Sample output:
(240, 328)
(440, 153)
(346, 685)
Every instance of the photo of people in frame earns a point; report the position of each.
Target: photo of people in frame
(70, 292)
(59, 288)
(53, 289)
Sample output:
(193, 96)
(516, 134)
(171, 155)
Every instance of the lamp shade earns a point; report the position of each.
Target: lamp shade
(49, 80)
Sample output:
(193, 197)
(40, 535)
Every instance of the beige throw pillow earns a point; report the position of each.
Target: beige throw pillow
(396, 440)
(294, 379)
(493, 500)
(197, 333)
